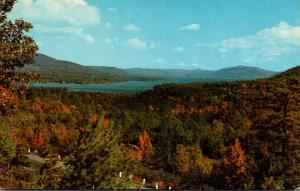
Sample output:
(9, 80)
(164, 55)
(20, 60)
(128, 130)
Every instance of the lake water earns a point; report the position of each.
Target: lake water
(121, 87)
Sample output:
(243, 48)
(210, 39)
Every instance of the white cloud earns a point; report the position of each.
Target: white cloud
(112, 43)
(193, 27)
(71, 12)
(236, 43)
(158, 61)
(137, 43)
(207, 45)
(179, 49)
(72, 15)
(73, 31)
(132, 28)
(111, 9)
(265, 45)
(283, 32)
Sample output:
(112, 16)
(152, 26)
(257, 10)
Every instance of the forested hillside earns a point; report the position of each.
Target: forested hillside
(241, 135)
(59, 71)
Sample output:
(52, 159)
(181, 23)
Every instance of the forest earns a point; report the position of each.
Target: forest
(221, 135)
(239, 135)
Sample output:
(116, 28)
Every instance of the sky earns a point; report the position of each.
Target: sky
(185, 34)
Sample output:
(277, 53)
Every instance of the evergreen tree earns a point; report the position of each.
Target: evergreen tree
(97, 159)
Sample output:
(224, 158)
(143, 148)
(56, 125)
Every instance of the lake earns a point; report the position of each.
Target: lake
(128, 87)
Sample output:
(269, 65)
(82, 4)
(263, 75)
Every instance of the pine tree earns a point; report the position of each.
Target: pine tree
(97, 158)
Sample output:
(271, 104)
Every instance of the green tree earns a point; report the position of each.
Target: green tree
(97, 158)
(191, 165)
(16, 48)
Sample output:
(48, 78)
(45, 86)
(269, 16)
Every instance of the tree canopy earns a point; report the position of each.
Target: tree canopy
(17, 49)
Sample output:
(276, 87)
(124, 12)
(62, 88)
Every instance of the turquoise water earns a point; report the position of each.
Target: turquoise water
(121, 87)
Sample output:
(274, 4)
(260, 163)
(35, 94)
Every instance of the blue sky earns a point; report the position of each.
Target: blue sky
(189, 34)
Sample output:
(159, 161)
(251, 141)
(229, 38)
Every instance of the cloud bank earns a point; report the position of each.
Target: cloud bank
(265, 45)
(59, 16)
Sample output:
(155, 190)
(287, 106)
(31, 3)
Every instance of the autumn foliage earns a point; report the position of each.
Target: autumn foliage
(142, 151)
(235, 167)
(8, 100)
(38, 139)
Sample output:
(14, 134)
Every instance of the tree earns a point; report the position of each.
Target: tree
(38, 140)
(144, 148)
(235, 168)
(277, 127)
(191, 165)
(16, 50)
(7, 148)
(97, 159)
(8, 101)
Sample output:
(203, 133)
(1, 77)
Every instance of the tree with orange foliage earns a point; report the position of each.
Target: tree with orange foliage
(143, 151)
(8, 101)
(234, 167)
(38, 139)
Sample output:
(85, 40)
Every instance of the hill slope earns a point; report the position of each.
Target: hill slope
(293, 72)
(111, 70)
(243, 72)
(53, 70)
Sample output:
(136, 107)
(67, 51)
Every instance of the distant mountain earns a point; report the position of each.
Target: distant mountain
(110, 70)
(232, 73)
(243, 72)
(53, 70)
(163, 73)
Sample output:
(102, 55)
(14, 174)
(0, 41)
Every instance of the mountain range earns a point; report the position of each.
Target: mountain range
(232, 73)
(54, 70)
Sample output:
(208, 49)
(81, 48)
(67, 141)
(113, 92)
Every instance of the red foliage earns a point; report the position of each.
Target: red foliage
(94, 119)
(40, 106)
(38, 139)
(143, 149)
(225, 105)
(8, 100)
